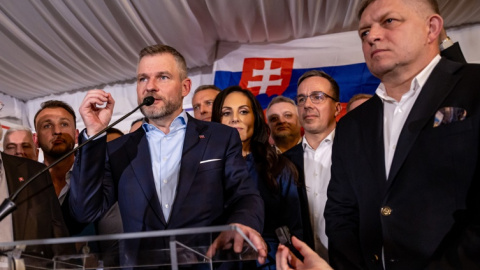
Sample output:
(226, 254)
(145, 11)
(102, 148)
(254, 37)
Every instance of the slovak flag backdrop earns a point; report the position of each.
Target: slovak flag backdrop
(270, 69)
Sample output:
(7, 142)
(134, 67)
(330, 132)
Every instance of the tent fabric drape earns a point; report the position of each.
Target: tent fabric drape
(50, 47)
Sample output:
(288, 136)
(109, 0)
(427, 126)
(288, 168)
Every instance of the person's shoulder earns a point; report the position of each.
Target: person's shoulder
(473, 67)
(124, 138)
(372, 104)
(214, 126)
(468, 72)
(294, 151)
(26, 168)
(368, 111)
(10, 160)
(455, 66)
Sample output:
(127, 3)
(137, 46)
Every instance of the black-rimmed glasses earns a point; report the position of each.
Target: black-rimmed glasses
(316, 98)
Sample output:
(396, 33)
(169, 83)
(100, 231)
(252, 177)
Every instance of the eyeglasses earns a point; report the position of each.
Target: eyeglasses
(316, 98)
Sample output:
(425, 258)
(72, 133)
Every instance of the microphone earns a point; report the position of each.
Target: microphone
(8, 206)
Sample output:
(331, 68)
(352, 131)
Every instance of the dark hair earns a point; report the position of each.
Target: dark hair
(161, 49)
(364, 4)
(136, 120)
(357, 97)
(267, 162)
(113, 130)
(206, 87)
(319, 73)
(51, 104)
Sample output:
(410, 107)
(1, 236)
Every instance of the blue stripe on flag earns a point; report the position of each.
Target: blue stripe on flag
(352, 79)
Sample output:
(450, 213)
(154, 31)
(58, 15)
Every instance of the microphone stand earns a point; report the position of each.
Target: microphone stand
(8, 206)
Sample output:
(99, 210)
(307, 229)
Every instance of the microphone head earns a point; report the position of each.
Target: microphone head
(148, 100)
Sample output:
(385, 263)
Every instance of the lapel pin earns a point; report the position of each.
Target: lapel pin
(21, 179)
(201, 136)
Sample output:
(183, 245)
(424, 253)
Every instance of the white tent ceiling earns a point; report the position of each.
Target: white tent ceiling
(56, 46)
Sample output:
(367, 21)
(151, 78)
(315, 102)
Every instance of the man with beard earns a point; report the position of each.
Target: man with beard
(282, 118)
(37, 214)
(318, 106)
(173, 172)
(56, 135)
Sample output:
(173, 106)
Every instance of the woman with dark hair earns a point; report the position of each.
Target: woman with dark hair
(274, 174)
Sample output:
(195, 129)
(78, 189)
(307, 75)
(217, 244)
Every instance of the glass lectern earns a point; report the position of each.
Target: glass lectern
(168, 249)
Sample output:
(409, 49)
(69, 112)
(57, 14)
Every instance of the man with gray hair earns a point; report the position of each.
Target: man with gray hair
(282, 118)
(406, 164)
(202, 101)
(18, 141)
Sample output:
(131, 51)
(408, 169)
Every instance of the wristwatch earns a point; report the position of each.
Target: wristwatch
(447, 42)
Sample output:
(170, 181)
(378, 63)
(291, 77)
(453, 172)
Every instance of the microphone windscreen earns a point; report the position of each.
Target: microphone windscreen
(148, 100)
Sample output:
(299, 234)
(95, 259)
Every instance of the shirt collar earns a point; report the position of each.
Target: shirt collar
(417, 82)
(328, 139)
(179, 122)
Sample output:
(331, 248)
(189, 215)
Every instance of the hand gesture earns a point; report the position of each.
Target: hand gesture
(231, 238)
(94, 117)
(285, 259)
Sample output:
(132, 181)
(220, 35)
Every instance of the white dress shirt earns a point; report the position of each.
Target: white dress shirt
(63, 193)
(317, 163)
(395, 113)
(166, 153)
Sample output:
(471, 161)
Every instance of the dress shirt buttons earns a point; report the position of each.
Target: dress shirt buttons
(166, 205)
(386, 211)
(165, 181)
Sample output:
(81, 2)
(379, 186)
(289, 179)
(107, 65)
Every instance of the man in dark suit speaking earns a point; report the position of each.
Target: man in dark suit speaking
(174, 171)
(405, 184)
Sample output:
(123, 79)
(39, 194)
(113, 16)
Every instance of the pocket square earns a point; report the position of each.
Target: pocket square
(209, 160)
(448, 115)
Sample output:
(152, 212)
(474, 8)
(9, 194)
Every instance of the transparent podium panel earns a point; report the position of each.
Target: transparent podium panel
(197, 248)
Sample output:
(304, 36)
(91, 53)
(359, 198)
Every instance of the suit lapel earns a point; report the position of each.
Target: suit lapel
(372, 135)
(196, 139)
(142, 168)
(16, 170)
(436, 89)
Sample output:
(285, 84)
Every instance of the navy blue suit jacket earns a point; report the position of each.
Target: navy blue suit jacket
(432, 188)
(208, 193)
(295, 155)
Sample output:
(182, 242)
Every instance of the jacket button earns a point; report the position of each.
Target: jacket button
(386, 211)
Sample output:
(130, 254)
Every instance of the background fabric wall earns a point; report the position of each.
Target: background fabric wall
(335, 53)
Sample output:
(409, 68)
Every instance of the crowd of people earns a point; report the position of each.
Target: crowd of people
(393, 185)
